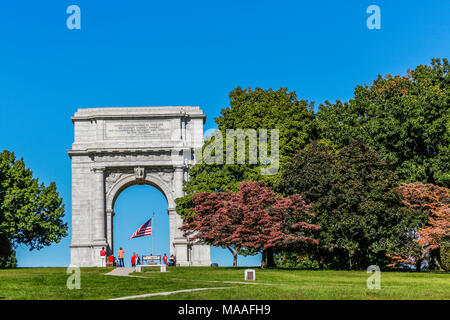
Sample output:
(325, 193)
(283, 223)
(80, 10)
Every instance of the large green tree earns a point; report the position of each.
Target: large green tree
(405, 119)
(30, 212)
(271, 109)
(252, 109)
(355, 202)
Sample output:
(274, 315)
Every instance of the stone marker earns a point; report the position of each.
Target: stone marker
(250, 274)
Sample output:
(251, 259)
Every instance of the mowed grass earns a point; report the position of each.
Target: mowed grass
(50, 283)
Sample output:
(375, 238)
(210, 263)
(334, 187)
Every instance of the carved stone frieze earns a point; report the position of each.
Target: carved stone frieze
(130, 156)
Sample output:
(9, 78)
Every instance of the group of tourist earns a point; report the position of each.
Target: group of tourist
(135, 259)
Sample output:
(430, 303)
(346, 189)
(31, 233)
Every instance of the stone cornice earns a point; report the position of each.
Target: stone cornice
(138, 113)
(89, 152)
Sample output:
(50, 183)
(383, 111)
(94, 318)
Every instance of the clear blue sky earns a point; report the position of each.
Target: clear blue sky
(145, 53)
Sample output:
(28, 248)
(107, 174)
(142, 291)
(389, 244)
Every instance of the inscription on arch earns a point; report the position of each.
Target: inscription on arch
(138, 129)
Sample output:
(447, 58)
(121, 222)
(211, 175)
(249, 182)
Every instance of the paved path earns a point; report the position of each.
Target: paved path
(168, 292)
(123, 272)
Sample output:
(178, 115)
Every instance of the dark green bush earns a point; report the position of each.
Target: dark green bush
(445, 256)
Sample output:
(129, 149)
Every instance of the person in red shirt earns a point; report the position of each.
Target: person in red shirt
(133, 260)
(103, 257)
(111, 260)
(165, 259)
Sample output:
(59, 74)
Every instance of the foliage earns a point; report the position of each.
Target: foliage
(30, 213)
(5, 246)
(292, 260)
(213, 223)
(354, 200)
(7, 254)
(404, 122)
(9, 260)
(254, 219)
(445, 256)
(212, 178)
(405, 119)
(438, 229)
(269, 109)
(434, 203)
(252, 109)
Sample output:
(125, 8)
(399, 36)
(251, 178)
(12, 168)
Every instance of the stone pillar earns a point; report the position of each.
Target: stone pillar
(172, 229)
(109, 231)
(181, 252)
(99, 239)
(178, 177)
(180, 242)
(201, 255)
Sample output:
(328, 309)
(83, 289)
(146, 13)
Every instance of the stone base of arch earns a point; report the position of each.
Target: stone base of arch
(197, 255)
(88, 219)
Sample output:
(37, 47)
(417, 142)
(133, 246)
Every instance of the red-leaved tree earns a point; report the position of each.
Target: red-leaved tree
(435, 202)
(254, 219)
(213, 222)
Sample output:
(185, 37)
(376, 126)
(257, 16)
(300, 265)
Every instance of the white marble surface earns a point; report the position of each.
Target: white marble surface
(115, 148)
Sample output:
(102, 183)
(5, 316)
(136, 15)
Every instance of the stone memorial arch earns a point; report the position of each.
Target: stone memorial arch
(115, 148)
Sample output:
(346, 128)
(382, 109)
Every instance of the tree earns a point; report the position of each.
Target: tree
(271, 109)
(214, 223)
(405, 119)
(309, 174)
(30, 213)
(272, 222)
(254, 219)
(438, 229)
(354, 200)
(252, 109)
(432, 202)
(7, 255)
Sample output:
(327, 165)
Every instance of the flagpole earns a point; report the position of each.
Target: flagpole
(153, 234)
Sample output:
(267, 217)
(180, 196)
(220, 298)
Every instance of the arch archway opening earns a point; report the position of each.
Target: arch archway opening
(134, 205)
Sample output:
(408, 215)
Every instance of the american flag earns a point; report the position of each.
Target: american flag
(144, 230)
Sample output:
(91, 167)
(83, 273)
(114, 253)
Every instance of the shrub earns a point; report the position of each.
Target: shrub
(445, 256)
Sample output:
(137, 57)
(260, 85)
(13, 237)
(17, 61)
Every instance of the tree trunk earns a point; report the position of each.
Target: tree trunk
(270, 261)
(438, 264)
(263, 259)
(418, 265)
(435, 257)
(350, 260)
(235, 254)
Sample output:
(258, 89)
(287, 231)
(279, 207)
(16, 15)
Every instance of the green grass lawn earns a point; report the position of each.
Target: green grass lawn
(50, 283)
